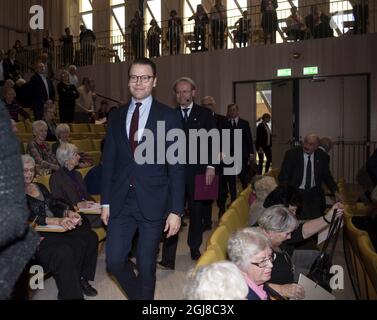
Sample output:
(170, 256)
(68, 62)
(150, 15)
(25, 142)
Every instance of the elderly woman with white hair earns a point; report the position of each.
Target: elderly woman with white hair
(249, 249)
(262, 187)
(40, 150)
(218, 281)
(63, 134)
(68, 185)
(70, 256)
(282, 228)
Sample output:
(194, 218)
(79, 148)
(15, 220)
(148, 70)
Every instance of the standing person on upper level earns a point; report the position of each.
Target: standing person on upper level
(175, 29)
(87, 45)
(218, 24)
(269, 20)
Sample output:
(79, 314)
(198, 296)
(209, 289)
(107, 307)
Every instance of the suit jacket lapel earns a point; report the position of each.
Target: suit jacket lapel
(122, 125)
(193, 114)
(151, 121)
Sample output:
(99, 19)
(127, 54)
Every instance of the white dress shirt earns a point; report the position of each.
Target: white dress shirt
(144, 110)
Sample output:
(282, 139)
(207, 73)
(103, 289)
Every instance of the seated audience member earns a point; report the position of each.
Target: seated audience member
(70, 256)
(13, 107)
(48, 117)
(249, 249)
(68, 185)
(217, 281)
(262, 188)
(40, 150)
(296, 27)
(62, 134)
(22, 92)
(253, 196)
(282, 228)
(94, 176)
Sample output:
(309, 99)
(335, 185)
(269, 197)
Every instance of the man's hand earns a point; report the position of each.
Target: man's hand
(210, 175)
(105, 215)
(172, 225)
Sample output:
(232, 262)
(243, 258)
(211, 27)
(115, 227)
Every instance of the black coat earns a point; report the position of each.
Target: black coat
(17, 241)
(292, 169)
(262, 137)
(38, 208)
(38, 92)
(200, 118)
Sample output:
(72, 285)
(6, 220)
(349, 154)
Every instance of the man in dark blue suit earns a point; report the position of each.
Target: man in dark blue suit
(144, 197)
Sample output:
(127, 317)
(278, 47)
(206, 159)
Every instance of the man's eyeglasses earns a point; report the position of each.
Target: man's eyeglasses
(264, 263)
(143, 78)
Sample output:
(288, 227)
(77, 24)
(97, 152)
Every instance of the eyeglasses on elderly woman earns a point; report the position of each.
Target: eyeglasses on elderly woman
(265, 262)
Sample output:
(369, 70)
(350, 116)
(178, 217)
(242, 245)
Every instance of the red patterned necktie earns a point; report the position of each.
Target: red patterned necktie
(134, 127)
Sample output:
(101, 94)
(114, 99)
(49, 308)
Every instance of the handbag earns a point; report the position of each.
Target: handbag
(320, 269)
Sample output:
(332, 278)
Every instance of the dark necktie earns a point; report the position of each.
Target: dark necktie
(185, 117)
(308, 182)
(233, 123)
(134, 127)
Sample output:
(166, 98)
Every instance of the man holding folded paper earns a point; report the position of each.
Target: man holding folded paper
(199, 176)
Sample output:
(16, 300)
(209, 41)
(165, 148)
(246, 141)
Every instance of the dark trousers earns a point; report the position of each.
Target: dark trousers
(227, 184)
(266, 151)
(313, 203)
(69, 256)
(244, 174)
(218, 30)
(38, 114)
(207, 214)
(120, 232)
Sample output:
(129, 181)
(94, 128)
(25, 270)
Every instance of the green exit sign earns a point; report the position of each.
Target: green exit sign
(284, 72)
(310, 71)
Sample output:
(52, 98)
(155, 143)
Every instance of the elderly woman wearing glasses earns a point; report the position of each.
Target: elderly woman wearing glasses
(39, 149)
(282, 228)
(70, 256)
(63, 134)
(68, 185)
(250, 250)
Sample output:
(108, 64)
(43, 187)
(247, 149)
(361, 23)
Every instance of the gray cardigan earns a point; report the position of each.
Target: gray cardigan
(17, 241)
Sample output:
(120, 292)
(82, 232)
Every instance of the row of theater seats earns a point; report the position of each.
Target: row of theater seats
(101, 232)
(360, 255)
(78, 131)
(236, 217)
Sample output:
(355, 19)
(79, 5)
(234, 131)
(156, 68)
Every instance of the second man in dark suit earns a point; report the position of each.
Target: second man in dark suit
(263, 143)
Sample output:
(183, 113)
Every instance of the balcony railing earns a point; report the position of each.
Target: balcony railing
(113, 49)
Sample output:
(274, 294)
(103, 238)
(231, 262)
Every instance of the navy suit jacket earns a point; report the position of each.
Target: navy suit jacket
(159, 187)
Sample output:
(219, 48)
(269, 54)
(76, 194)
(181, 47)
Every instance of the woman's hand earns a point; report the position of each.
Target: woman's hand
(292, 290)
(339, 211)
(67, 223)
(75, 218)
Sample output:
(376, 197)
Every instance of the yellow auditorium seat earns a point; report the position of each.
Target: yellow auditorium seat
(84, 145)
(20, 127)
(242, 208)
(273, 173)
(231, 220)
(220, 238)
(369, 259)
(98, 128)
(84, 171)
(79, 127)
(352, 255)
(97, 144)
(45, 180)
(209, 256)
(95, 156)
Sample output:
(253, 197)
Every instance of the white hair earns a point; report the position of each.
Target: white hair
(61, 127)
(278, 218)
(244, 244)
(218, 281)
(65, 152)
(37, 125)
(185, 79)
(26, 158)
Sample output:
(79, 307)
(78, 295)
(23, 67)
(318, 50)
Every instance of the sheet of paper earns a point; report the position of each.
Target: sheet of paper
(312, 290)
(50, 228)
(93, 209)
